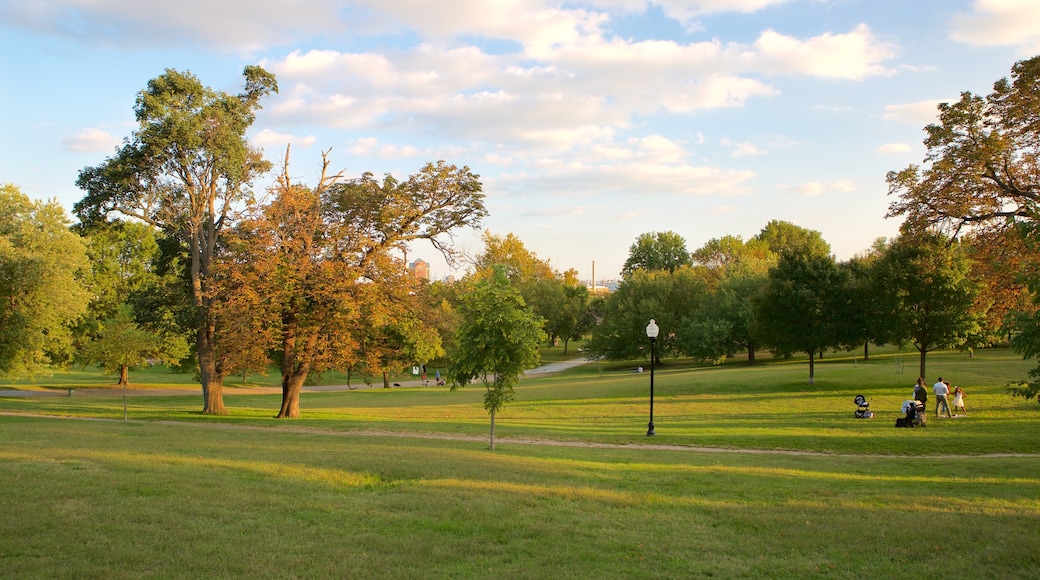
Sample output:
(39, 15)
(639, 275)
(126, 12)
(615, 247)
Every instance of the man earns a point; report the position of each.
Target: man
(941, 392)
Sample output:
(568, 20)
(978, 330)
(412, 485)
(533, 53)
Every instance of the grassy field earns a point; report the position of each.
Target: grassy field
(753, 473)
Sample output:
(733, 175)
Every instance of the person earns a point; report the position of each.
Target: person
(941, 392)
(958, 400)
(425, 382)
(921, 394)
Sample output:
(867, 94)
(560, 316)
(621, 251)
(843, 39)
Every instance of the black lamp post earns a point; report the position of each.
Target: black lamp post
(651, 332)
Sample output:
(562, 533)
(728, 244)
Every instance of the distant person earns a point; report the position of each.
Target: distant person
(921, 394)
(425, 382)
(941, 392)
(958, 400)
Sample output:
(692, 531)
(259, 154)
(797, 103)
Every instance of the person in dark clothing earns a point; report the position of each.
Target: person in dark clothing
(921, 393)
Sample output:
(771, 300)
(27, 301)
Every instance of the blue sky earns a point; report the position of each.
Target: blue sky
(590, 123)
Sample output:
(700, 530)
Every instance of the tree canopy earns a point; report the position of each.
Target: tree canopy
(656, 251)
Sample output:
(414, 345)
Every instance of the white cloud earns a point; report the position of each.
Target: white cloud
(742, 149)
(274, 138)
(894, 148)
(919, 114)
(854, 55)
(91, 141)
(231, 25)
(1000, 23)
(815, 188)
(571, 177)
(371, 147)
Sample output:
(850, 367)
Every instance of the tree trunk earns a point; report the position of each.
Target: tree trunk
(924, 353)
(292, 385)
(566, 341)
(212, 381)
(866, 350)
(812, 369)
(492, 429)
(386, 379)
(124, 376)
(751, 355)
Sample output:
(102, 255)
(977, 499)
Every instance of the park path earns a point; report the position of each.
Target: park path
(114, 392)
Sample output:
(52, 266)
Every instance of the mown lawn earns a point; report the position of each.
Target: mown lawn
(400, 483)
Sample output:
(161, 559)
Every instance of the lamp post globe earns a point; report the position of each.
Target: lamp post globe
(652, 330)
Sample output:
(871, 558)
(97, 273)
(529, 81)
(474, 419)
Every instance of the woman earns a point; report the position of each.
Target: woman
(921, 393)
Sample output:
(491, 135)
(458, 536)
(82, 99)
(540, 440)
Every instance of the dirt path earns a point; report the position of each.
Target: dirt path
(527, 440)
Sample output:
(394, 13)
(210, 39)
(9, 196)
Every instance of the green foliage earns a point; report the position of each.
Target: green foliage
(797, 310)
(42, 293)
(497, 340)
(781, 237)
(657, 251)
(667, 297)
(122, 344)
(926, 293)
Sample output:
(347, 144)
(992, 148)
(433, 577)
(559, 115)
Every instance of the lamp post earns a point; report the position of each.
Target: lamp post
(651, 332)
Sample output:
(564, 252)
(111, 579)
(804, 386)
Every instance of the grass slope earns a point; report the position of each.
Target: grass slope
(175, 494)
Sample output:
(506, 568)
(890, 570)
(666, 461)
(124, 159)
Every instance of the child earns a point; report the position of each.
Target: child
(958, 400)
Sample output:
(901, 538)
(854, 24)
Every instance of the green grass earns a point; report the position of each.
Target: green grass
(399, 482)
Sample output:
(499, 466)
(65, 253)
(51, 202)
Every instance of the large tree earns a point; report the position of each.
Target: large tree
(667, 297)
(737, 272)
(186, 169)
(926, 294)
(42, 294)
(981, 176)
(796, 311)
(497, 340)
(326, 266)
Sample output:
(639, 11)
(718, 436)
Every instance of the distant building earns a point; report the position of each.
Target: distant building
(419, 269)
(603, 287)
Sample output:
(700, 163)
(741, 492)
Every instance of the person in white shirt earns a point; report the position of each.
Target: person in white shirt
(941, 392)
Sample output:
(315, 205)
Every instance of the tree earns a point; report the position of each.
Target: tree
(980, 171)
(122, 345)
(666, 297)
(497, 340)
(185, 169)
(796, 312)
(723, 256)
(325, 266)
(42, 295)
(926, 293)
(558, 298)
(727, 320)
(656, 251)
(980, 178)
(780, 236)
(736, 272)
(521, 265)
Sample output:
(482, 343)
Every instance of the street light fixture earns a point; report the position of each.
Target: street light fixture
(652, 331)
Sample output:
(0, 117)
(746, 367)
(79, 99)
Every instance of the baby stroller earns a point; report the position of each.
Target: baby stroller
(913, 415)
(863, 412)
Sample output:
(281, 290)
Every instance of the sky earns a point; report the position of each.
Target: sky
(589, 123)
